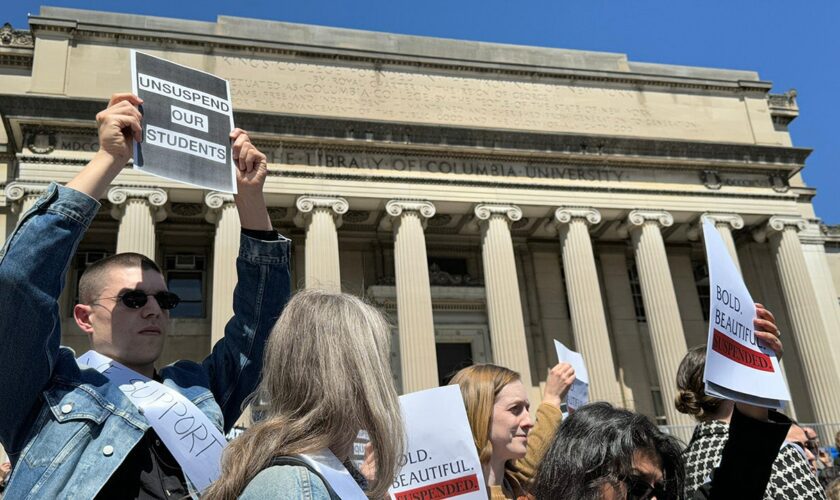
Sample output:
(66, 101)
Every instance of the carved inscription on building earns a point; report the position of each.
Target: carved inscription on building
(508, 169)
(367, 93)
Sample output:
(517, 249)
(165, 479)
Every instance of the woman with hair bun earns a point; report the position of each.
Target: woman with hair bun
(790, 477)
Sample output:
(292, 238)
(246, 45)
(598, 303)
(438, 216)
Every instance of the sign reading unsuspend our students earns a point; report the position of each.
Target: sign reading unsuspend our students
(187, 120)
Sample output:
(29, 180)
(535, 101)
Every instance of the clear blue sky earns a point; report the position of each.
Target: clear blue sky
(794, 45)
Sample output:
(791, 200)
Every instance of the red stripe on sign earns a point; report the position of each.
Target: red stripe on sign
(447, 489)
(738, 353)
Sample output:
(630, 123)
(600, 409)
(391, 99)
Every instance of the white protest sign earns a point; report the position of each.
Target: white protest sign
(737, 366)
(579, 392)
(188, 434)
(441, 460)
(187, 120)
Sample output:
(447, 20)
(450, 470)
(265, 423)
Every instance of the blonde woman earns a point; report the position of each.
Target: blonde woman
(326, 376)
(509, 443)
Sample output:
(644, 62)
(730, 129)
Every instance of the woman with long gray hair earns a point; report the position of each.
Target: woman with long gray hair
(326, 376)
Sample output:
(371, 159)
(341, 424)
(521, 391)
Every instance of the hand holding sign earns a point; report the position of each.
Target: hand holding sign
(578, 392)
(767, 331)
(741, 356)
(560, 379)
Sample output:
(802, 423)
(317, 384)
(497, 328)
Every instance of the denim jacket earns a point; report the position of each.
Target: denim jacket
(283, 482)
(67, 429)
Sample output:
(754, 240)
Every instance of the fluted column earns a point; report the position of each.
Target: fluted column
(504, 308)
(725, 223)
(25, 194)
(414, 298)
(821, 369)
(322, 217)
(660, 299)
(137, 209)
(222, 213)
(586, 305)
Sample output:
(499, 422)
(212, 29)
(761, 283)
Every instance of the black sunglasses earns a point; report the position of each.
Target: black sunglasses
(638, 488)
(135, 299)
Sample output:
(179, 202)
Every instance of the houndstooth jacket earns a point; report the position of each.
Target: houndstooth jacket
(791, 477)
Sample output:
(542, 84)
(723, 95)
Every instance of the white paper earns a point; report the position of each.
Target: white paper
(441, 460)
(325, 462)
(737, 366)
(187, 120)
(194, 441)
(579, 392)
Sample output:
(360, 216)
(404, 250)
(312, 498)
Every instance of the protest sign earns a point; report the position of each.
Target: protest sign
(579, 392)
(441, 460)
(194, 441)
(738, 367)
(187, 120)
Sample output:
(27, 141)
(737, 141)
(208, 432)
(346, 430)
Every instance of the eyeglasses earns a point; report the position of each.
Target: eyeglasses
(135, 299)
(638, 488)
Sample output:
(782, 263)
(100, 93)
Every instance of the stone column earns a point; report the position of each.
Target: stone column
(321, 216)
(504, 308)
(821, 369)
(25, 194)
(586, 306)
(662, 311)
(137, 209)
(414, 297)
(222, 213)
(724, 223)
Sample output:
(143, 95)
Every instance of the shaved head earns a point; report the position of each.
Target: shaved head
(93, 279)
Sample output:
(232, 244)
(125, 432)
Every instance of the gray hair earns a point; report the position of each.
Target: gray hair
(326, 375)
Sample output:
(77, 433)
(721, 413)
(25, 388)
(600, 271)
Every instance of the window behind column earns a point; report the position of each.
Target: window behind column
(186, 276)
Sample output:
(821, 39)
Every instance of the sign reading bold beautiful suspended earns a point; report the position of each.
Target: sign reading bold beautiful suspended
(187, 120)
(738, 367)
(440, 460)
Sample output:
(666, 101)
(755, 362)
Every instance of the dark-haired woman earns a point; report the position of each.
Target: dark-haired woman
(790, 477)
(603, 452)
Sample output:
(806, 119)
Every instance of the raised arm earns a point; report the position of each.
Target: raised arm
(262, 290)
(33, 265)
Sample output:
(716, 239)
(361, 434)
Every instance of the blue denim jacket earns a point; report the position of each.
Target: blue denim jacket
(66, 430)
(283, 482)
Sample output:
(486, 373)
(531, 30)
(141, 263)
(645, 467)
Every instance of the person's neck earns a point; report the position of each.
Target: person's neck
(145, 370)
(494, 472)
(724, 412)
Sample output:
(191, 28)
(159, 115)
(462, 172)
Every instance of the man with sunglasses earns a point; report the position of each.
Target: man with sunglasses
(73, 428)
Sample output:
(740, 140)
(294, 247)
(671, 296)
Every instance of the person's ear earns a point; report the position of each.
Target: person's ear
(82, 314)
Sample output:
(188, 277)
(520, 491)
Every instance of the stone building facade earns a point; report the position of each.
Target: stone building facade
(490, 198)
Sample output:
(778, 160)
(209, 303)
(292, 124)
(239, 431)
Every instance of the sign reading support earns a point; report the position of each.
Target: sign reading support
(187, 120)
(579, 392)
(738, 367)
(441, 460)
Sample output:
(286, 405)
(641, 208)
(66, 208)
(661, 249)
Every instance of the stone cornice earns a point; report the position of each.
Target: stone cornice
(248, 36)
(554, 147)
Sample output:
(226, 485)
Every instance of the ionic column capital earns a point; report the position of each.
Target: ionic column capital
(397, 208)
(307, 204)
(15, 191)
(155, 197)
(779, 223)
(484, 211)
(731, 221)
(565, 215)
(216, 202)
(638, 218)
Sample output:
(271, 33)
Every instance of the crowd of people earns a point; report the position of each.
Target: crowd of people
(316, 365)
